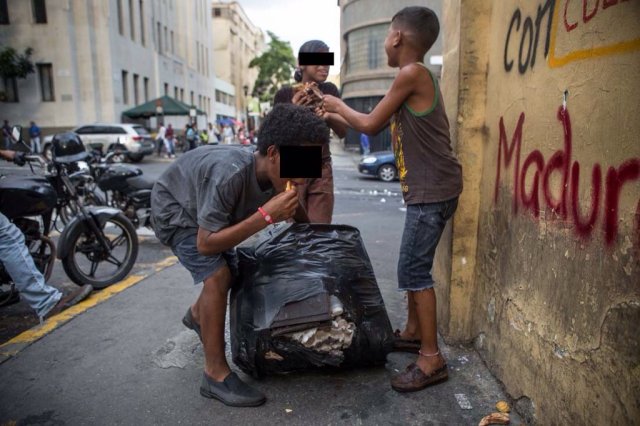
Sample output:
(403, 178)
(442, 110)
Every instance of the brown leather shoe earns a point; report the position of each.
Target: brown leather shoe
(413, 379)
(69, 300)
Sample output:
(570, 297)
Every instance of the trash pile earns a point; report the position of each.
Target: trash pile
(306, 298)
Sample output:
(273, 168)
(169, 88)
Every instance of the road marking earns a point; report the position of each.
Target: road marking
(21, 341)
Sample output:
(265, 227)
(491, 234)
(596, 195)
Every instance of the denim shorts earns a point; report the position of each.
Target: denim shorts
(423, 228)
(200, 266)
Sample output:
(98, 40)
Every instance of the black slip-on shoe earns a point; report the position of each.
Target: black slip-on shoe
(190, 323)
(232, 391)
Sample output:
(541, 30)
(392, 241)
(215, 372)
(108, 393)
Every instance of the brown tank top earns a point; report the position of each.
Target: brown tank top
(429, 171)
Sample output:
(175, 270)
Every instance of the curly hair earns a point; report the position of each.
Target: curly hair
(289, 124)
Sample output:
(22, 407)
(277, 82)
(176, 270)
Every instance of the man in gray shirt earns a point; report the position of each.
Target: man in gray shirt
(210, 200)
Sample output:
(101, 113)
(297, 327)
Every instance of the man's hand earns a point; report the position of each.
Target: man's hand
(283, 206)
(331, 103)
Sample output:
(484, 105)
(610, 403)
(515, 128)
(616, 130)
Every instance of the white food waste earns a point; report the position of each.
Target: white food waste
(327, 339)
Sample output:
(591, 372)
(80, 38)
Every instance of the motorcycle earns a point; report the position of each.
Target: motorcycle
(98, 246)
(126, 189)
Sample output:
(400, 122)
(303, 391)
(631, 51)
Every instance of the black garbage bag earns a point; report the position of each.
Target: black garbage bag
(306, 297)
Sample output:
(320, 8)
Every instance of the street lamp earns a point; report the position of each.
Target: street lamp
(246, 104)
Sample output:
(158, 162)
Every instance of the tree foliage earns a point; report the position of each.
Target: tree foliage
(15, 65)
(275, 66)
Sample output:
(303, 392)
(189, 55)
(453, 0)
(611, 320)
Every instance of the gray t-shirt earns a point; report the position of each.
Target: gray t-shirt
(211, 187)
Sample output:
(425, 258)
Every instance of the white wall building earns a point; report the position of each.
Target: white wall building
(95, 59)
(225, 100)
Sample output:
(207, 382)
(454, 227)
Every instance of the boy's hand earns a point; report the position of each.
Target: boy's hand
(282, 206)
(331, 103)
(298, 97)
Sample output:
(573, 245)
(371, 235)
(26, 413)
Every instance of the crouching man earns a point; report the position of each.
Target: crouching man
(210, 200)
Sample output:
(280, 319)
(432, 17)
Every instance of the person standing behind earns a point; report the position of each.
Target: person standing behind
(430, 179)
(34, 135)
(160, 138)
(317, 195)
(169, 143)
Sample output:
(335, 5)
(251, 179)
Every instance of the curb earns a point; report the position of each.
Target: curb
(23, 340)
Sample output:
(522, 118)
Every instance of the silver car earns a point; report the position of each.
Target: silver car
(133, 140)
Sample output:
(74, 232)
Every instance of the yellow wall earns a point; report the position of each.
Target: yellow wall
(555, 295)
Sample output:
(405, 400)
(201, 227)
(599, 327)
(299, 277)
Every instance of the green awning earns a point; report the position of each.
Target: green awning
(170, 106)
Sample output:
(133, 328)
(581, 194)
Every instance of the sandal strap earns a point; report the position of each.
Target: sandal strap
(428, 355)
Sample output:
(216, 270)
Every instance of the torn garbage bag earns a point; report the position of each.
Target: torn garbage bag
(306, 297)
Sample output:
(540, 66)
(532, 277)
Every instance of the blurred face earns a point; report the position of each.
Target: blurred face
(279, 184)
(317, 73)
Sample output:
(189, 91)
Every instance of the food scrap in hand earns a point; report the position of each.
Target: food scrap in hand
(312, 95)
(289, 186)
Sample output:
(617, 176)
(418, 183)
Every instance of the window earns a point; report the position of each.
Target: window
(218, 96)
(200, 101)
(197, 57)
(365, 47)
(4, 13)
(11, 89)
(146, 89)
(181, 95)
(136, 98)
(173, 50)
(166, 39)
(166, 89)
(175, 92)
(132, 26)
(216, 12)
(39, 11)
(192, 98)
(142, 38)
(373, 58)
(45, 73)
(125, 88)
(159, 44)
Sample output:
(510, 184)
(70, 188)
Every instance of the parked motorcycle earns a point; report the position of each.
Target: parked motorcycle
(98, 246)
(126, 189)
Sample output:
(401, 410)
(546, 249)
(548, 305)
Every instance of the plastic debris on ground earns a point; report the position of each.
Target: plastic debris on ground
(306, 297)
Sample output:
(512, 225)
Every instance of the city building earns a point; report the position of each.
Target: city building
(236, 42)
(365, 75)
(96, 59)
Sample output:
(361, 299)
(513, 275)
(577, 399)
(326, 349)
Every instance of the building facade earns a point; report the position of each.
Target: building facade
(96, 59)
(365, 75)
(236, 42)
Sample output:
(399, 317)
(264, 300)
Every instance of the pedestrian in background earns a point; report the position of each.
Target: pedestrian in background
(6, 135)
(34, 135)
(227, 134)
(169, 142)
(317, 195)
(364, 144)
(430, 179)
(160, 138)
(191, 137)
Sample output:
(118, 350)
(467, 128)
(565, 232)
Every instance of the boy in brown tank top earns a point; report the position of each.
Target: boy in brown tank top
(430, 178)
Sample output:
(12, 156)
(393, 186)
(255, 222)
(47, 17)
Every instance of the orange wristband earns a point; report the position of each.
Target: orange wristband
(266, 215)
